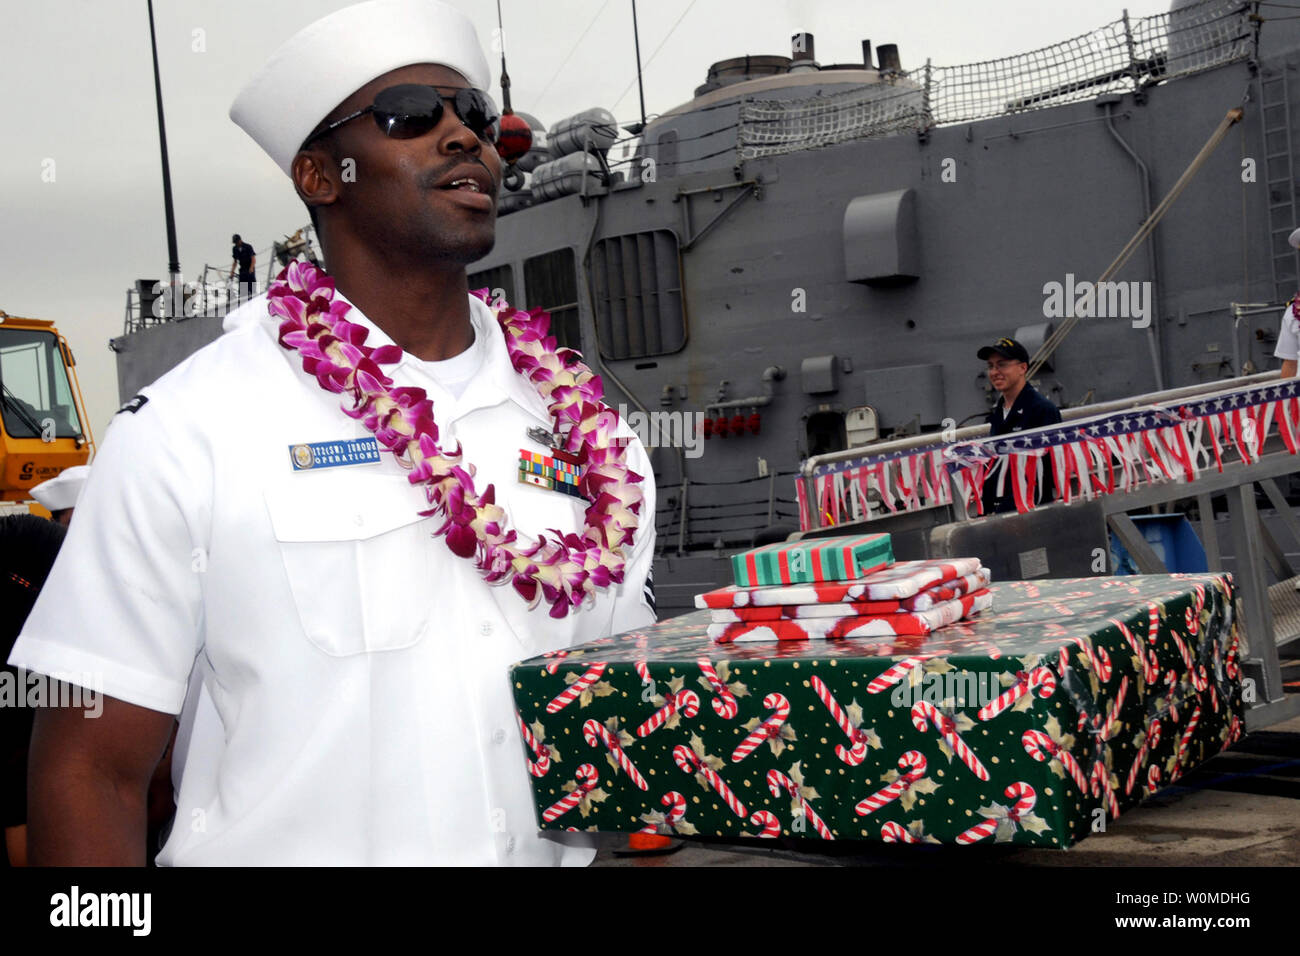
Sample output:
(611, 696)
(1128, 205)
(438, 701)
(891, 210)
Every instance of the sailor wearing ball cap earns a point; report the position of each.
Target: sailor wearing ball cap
(1020, 406)
(254, 559)
(1288, 334)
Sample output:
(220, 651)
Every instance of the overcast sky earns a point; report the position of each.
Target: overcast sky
(79, 110)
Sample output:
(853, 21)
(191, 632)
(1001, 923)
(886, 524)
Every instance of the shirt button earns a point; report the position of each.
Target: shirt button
(510, 844)
(498, 736)
(485, 628)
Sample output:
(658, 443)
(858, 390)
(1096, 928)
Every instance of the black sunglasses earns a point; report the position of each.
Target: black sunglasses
(412, 109)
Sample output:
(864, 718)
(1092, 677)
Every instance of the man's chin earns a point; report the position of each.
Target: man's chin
(483, 247)
(463, 250)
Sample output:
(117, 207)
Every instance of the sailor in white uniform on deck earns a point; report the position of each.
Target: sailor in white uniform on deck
(1288, 333)
(251, 558)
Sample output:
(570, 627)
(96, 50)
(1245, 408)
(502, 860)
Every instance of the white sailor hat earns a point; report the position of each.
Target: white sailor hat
(63, 490)
(321, 65)
(1294, 239)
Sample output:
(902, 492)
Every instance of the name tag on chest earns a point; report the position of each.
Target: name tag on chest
(334, 454)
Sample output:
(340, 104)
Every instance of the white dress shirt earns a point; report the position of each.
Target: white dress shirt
(342, 677)
(1288, 337)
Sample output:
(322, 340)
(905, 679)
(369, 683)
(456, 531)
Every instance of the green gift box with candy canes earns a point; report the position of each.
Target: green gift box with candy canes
(1033, 723)
(818, 559)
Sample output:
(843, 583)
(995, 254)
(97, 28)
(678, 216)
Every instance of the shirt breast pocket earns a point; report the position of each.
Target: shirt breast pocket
(356, 556)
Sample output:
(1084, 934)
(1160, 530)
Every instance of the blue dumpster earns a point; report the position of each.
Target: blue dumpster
(1173, 540)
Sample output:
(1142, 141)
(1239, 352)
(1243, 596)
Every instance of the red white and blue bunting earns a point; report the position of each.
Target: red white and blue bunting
(1103, 455)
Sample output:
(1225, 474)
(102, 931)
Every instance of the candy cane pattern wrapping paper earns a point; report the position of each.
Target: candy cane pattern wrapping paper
(855, 706)
(1025, 798)
(896, 673)
(724, 701)
(691, 762)
(768, 822)
(554, 665)
(1184, 742)
(1043, 748)
(859, 738)
(537, 767)
(892, 832)
(576, 689)
(596, 735)
(587, 779)
(1040, 681)
(685, 702)
(778, 782)
(924, 714)
(1152, 739)
(912, 765)
(767, 730)
(1099, 781)
(1147, 656)
(1097, 658)
(672, 817)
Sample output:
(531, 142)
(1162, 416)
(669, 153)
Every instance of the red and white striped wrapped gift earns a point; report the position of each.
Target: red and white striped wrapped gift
(832, 628)
(929, 598)
(902, 580)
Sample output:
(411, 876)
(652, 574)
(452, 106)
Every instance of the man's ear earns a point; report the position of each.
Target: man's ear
(316, 177)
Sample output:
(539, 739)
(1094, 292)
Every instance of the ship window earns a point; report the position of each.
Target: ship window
(499, 281)
(34, 391)
(638, 295)
(551, 283)
(826, 433)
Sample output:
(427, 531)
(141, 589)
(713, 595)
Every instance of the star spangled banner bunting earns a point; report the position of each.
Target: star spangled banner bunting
(1104, 454)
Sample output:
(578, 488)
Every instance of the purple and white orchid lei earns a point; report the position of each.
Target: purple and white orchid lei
(564, 570)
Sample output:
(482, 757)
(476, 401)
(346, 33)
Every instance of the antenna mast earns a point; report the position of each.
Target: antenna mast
(505, 77)
(173, 259)
(636, 39)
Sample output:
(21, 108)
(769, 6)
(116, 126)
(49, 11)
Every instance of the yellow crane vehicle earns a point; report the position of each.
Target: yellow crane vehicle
(43, 425)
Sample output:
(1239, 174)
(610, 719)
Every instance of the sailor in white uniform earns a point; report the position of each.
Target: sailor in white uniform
(1288, 333)
(248, 557)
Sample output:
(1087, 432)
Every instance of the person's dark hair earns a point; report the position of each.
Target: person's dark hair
(235, 238)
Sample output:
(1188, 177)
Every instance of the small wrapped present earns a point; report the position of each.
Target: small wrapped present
(817, 559)
(902, 580)
(928, 598)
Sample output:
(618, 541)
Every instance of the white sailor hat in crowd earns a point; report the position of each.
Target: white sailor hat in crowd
(321, 65)
(1294, 239)
(63, 490)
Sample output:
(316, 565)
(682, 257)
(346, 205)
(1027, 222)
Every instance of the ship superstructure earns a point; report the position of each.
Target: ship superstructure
(806, 256)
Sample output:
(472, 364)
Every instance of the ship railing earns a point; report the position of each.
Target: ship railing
(215, 292)
(1234, 438)
(1171, 435)
(724, 514)
(1124, 56)
(213, 295)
